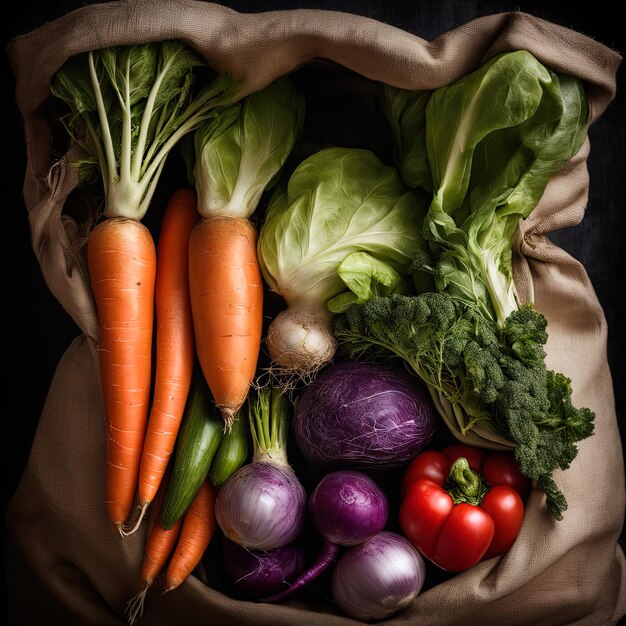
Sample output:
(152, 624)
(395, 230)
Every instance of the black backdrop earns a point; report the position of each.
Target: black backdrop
(38, 330)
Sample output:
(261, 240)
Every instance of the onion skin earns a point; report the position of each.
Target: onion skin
(262, 506)
(256, 573)
(348, 507)
(378, 578)
(363, 415)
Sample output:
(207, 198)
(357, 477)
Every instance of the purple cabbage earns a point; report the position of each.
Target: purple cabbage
(363, 414)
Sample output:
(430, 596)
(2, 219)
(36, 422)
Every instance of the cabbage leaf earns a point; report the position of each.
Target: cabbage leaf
(337, 201)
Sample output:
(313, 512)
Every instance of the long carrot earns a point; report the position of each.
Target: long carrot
(122, 267)
(135, 104)
(195, 536)
(174, 343)
(157, 551)
(226, 291)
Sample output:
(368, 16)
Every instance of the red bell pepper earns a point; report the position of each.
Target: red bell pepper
(462, 505)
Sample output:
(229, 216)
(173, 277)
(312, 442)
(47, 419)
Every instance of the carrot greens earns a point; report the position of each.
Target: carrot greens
(130, 105)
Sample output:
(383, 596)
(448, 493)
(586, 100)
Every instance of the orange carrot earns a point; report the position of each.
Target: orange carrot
(122, 267)
(159, 546)
(226, 291)
(174, 342)
(195, 536)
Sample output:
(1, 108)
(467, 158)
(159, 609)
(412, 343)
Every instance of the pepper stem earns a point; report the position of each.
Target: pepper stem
(464, 484)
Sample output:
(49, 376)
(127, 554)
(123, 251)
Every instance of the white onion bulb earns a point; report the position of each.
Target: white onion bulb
(378, 578)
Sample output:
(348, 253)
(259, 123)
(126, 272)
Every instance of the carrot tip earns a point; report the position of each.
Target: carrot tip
(126, 532)
(229, 417)
(170, 588)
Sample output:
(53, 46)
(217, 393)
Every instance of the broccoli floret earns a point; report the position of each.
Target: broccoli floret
(484, 370)
(535, 404)
(579, 423)
(555, 500)
(524, 332)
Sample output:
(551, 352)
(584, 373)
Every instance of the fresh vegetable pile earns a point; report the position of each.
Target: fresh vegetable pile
(305, 437)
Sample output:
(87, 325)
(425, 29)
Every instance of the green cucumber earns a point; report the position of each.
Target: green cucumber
(233, 450)
(199, 437)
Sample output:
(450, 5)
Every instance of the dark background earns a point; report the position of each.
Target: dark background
(38, 330)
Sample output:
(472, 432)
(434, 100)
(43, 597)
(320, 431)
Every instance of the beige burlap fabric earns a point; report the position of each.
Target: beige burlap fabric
(69, 568)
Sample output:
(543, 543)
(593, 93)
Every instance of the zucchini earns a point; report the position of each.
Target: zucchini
(233, 450)
(199, 437)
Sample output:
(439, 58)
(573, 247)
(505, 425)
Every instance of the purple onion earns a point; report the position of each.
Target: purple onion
(262, 506)
(257, 573)
(347, 507)
(363, 414)
(378, 578)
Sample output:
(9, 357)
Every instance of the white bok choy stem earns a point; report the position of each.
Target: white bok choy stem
(136, 103)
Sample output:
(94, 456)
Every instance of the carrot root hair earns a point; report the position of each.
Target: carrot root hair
(128, 530)
(134, 607)
(229, 417)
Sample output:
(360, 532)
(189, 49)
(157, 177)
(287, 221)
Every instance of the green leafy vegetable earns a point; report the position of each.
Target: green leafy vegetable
(405, 112)
(493, 141)
(366, 277)
(129, 106)
(238, 154)
(337, 202)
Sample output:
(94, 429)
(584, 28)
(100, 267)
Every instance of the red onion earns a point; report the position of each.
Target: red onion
(257, 573)
(262, 506)
(348, 507)
(378, 578)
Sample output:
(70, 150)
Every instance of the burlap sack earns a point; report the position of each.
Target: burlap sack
(69, 568)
